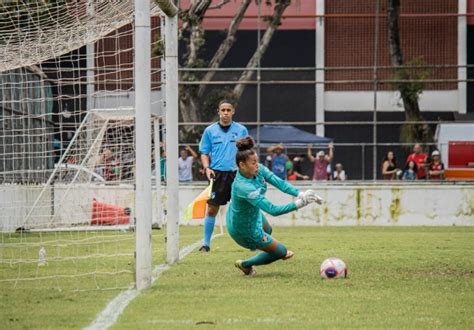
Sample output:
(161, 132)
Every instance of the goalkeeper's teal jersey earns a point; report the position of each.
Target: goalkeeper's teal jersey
(244, 216)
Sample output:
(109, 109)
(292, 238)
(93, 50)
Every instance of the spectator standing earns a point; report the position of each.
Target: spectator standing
(420, 158)
(185, 164)
(410, 171)
(291, 175)
(128, 165)
(218, 151)
(321, 162)
(288, 165)
(108, 166)
(298, 167)
(389, 167)
(436, 169)
(278, 159)
(162, 164)
(339, 174)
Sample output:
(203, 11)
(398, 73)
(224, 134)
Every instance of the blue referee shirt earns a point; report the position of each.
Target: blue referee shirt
(220, 145)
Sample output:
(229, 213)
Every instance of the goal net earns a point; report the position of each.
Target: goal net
(67, 142)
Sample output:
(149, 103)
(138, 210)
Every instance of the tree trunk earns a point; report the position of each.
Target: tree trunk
(225, 46)
(188, 107)
(191, 97)
(192, 24)
(410, 133)
(280, 8)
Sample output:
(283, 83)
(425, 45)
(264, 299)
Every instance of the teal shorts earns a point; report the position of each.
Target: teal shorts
(252, 243)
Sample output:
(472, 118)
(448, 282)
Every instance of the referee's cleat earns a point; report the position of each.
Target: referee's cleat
(204, 248)
(248, 271)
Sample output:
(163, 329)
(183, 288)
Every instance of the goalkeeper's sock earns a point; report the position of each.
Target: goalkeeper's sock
(209, 222)
(265, 258)
(267, 228)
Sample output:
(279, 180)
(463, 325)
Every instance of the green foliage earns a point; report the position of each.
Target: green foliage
(418, 73)
(415, 73)
(159, 48)
(411, 133)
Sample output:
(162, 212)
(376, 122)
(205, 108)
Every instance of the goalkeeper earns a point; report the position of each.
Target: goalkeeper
(245, 221)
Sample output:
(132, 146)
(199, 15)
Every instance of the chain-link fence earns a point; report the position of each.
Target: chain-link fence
(346, 71)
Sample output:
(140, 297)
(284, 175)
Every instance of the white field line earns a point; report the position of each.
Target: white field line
(116, 306)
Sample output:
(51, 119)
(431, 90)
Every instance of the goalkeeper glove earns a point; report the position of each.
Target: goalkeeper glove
(307, 197)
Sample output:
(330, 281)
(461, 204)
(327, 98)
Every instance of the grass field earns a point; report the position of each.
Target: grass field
(69, 302)
(419, 277)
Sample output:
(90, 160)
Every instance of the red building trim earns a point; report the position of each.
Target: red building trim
(470, 11)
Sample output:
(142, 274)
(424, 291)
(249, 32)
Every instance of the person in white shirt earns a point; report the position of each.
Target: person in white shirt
(339, 174)
(185, 164)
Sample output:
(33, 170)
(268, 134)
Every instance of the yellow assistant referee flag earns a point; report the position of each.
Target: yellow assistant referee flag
(197, 208)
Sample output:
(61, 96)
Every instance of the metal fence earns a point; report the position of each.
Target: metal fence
(340, 79)
(332, 75)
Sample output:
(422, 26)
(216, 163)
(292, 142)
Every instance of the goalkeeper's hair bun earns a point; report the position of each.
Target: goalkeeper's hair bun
(245, 148)
(245, 143)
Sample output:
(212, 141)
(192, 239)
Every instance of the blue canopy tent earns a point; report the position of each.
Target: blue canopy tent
(288, 135)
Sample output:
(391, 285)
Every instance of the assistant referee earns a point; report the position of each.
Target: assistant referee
(218, 151)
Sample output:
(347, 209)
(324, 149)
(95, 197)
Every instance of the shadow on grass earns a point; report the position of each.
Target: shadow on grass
(262, 274)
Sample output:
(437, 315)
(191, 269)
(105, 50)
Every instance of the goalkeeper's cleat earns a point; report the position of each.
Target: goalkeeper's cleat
(289, 254)
(248, 271)
(204, 249)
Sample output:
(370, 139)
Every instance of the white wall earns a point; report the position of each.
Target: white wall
(123, 99)
(348, 204)
(389, 101)
(16, 202)
(380, 205)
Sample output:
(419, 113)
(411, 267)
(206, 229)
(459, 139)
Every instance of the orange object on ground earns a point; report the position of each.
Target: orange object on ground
(108, 214)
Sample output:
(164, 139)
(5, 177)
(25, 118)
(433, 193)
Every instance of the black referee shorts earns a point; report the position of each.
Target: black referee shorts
(222, 187)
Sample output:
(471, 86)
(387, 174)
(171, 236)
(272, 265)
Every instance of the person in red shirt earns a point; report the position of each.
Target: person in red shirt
(436, 170)
(420, 159)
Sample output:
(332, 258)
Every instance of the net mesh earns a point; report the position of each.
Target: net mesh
(36, 31)
(67, 142)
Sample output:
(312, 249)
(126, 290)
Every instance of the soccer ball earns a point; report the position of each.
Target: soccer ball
(333, 268)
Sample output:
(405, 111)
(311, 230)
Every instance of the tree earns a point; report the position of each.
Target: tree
(409, 81)
(197, 102)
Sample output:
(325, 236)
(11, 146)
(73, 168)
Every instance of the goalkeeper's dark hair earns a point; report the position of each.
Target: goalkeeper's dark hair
(245, 149)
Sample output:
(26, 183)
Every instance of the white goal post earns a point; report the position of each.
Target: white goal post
(171, 113)
(142, 106)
